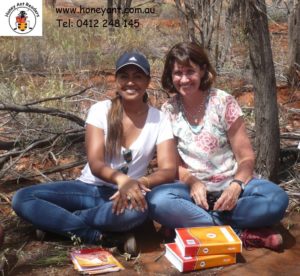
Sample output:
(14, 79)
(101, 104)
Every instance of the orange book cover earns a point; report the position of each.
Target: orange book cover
(91, 260)
(210, 240)
(184, 264)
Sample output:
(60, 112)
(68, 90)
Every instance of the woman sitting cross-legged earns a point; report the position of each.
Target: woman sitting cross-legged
(122, 136)
(217, 160)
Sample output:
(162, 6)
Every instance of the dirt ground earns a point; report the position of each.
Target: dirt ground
(33, 255)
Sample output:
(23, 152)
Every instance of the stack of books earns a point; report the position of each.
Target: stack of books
(203, 247)
(92, 261)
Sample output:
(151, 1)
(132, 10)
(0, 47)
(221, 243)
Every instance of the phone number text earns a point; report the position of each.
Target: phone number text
(95, 23)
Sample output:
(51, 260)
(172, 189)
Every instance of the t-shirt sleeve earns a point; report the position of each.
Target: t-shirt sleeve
(232, 111)
(97, 115)
(165, 129)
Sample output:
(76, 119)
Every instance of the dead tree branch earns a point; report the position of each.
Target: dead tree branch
(59, 97)
(51, 170)
(44, 110)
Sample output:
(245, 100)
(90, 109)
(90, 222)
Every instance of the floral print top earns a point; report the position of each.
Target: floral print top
(206, 151)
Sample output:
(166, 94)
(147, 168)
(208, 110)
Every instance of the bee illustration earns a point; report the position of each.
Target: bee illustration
(21, 21)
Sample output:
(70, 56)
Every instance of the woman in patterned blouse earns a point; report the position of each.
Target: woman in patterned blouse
(216, 159)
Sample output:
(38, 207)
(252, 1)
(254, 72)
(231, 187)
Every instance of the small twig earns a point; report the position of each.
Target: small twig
(50, 170)
(17, 255)
(72, 135)
(159, 256)
(44, 110)
(293, 194)
(290, 135)
(5, 198)
(58, 97)
(43, 175)
(43, 142)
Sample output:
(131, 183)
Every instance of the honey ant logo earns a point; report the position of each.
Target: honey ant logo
(22, 20)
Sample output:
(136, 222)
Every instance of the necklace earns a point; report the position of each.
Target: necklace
(195, 114)
(195, 127)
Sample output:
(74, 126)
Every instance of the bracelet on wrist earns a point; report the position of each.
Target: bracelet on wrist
(185, 177)
(146, 181)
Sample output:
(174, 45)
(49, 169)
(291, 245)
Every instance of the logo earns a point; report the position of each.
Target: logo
(133, 59)
(22, 18)
(205, 250)
(211, 235)
(190, 242)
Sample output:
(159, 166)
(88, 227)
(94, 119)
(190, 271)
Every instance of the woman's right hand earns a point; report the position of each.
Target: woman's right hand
(129, 195)
(198, 193)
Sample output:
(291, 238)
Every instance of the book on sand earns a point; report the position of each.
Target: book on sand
(184, 264)
(210, 240)
(94, 261)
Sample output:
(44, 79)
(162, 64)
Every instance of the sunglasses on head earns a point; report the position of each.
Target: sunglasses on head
(127, 155)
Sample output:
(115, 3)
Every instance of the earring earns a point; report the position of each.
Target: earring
(210, 76)
(145, 97)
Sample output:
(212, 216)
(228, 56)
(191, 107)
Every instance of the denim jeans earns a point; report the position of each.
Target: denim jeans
(74, 208)
(261, 204)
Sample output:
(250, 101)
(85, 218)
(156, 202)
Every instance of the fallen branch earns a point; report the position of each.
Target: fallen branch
(58, 97)
(51, 170)
(290, 135)
(39, 143)
(77, 136)
(293, 110)
(293, 194)
(44, 110)
(73, 137)
(4, 145)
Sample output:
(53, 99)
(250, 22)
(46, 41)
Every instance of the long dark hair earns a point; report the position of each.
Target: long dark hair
(184, 53)
(115, 127)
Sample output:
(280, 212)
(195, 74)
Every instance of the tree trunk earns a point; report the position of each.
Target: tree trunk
(182, 17)
(267, 139)
(294, 43)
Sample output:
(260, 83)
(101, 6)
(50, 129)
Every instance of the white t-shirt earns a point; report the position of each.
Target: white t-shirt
(156, 130)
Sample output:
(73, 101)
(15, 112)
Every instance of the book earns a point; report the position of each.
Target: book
(210, 240)
(184, 264)
(94, 261)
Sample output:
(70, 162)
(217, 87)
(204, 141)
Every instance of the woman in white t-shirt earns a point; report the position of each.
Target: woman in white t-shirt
(122, 136)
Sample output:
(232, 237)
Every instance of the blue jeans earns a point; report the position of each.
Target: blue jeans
(74, 208)
(261, 204)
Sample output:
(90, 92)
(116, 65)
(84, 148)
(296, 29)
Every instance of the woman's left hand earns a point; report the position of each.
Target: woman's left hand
(228, 199)
(119, 203)
(129, 195)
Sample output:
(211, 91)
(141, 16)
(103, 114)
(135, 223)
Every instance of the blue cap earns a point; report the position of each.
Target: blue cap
(133, 58)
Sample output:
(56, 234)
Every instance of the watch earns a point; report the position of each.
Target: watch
(241, 183)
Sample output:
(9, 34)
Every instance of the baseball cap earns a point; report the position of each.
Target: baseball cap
(133, 58)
